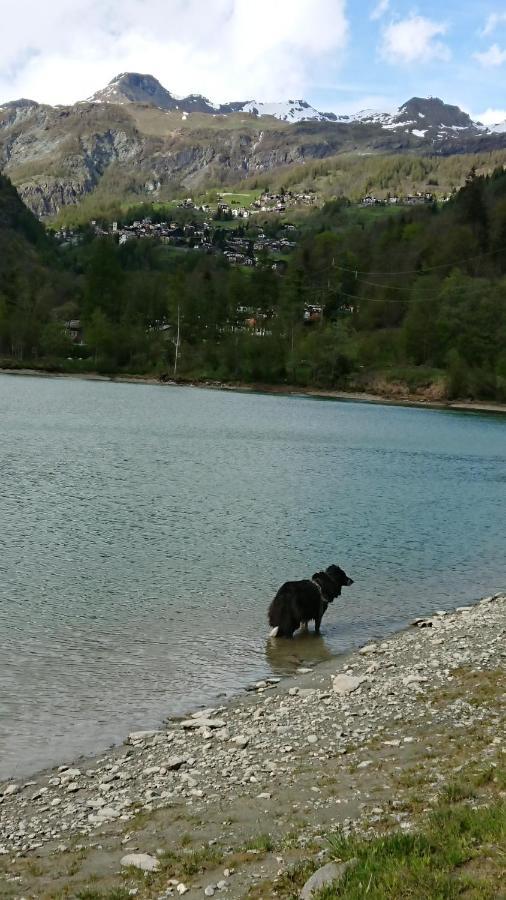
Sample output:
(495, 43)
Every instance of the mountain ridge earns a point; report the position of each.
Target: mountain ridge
(135, 137)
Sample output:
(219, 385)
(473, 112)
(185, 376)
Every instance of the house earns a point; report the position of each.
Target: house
(312, 314)
(74, 331)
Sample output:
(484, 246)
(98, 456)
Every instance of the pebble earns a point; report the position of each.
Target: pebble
(136, 737)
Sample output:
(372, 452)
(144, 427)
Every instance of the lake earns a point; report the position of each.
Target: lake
(144, 530)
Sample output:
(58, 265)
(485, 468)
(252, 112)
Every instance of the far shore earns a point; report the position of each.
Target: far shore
(397, 399)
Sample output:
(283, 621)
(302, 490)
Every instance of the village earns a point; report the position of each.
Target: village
(241, 246)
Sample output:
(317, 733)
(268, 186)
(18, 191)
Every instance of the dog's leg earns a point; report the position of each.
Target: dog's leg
(304, 626)
(317, 623)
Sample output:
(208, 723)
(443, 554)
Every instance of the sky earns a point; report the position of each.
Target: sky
(340, 55)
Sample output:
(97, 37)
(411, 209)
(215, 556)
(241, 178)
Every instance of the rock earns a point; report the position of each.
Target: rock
(414, 679)
(369, 648)
(209, 890)
(302, 670)
(137, 737)
(182, 889)
(11, 789)
(203, 723)
(264, 796)
(142, 861)
(175, 762)
(312, 739)
(241, 740)
(73, 787)
(345, 684)
(103, 815)
(323, 877)
(203, 713)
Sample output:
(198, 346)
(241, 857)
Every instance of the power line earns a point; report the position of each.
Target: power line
(422, 269)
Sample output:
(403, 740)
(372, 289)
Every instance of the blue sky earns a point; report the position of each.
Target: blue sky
(340, 55)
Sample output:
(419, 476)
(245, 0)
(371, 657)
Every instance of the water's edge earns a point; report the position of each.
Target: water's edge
(477, 406)
(244, 694)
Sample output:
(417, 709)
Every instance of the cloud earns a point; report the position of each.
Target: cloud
(493, 22)
(491, 117)
(379, 10)
(413, 40)
(494, 56)
(65, 50)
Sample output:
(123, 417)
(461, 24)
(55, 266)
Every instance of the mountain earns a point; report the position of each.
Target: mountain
(135, 137)
(131, 87)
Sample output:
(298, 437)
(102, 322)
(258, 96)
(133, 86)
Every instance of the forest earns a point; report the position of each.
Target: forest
(418, 296)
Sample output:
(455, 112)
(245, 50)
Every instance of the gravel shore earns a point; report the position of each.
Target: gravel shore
(224, 801)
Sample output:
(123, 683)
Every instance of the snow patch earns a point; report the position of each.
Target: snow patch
(286, 111)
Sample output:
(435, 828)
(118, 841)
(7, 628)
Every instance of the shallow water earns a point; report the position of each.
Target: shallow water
(144, 530)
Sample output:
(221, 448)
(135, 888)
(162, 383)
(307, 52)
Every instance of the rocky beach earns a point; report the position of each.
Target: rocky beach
(237, 800)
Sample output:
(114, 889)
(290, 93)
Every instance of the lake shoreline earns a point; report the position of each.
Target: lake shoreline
(408, 400)
(313, 750)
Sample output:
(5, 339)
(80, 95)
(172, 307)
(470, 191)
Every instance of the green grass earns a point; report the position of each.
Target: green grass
(115, 894)
(188, 863)
(461, 852)
(262, 843)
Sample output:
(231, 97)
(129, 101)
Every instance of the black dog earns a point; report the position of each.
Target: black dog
(298, 602)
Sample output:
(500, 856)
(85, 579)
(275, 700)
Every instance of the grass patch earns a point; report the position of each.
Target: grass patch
(114, 894)
(459, 853)
(262, 843)
(457, 790)
(192, 862)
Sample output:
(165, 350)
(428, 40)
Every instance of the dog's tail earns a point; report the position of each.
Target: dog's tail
(274, 631)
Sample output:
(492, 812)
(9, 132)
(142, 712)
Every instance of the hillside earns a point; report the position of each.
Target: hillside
(405, 302)
(31, 285)
(137, 139)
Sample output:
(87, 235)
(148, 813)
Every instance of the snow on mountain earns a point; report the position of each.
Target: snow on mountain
(287, 111)
(426, 118)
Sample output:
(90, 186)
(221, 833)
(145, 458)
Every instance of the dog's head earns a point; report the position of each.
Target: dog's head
(328, 585)
(339, 577)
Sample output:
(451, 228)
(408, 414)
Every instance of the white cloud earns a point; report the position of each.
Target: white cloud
(380, 9)
(494, 56)
(65, 50)
(414, 40)
(493, 22)
(491, 117)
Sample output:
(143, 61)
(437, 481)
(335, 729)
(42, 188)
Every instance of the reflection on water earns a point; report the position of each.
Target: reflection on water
(144, 531)
(306, 648)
